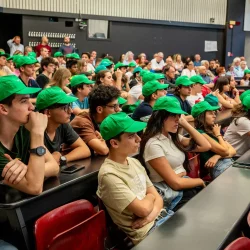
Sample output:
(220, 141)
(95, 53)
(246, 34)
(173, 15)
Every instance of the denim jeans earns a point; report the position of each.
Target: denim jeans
(6, 246)
(221, 166)
(160, 220)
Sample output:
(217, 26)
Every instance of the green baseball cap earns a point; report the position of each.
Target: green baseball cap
(117, 123)
(184, 81)
(58, 54)
(148, 77)
(53, 95)
(120, 65)
(212, 100)
(32, 54)
(197, 79)
(246, 102)
(10, 58)
(132, 64)
(106, 62)
(201, 107)
(247, 71)
(4, 54)
(150, 87)
(100, 68)
(137, 69)
(244, 94)
(159, 76)
(143, 72)
(130, 108)
(73, 56)
(24, 60)
(11, 84)
(170, 104)
(121, 100)
(79, 79)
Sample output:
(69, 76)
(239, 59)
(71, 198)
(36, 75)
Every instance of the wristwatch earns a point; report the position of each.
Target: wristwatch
(40, 151)
(63, 161)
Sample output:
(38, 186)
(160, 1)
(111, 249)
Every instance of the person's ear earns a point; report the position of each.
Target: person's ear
(114, 143)
(154, 96)
(3, 109)
(47, 112)
(99, 109)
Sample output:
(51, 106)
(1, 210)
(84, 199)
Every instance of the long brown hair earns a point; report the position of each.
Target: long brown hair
(60, 75)
(239, 111)
(200, 123)
(154, 127)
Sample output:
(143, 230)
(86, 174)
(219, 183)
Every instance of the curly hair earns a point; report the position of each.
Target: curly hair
(101, 96)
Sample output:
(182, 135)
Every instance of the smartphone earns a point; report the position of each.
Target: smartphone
(72, 169)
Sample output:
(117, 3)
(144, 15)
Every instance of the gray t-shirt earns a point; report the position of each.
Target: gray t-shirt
(162, 146)
(236, 135)
(64, 135)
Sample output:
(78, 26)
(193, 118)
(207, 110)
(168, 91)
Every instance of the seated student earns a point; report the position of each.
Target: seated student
(223, 85)
(48, 68)
(218, 158)
(3, 62)
(123, 185)
(26, 66)
(103, 100)
(54, 103)
(71, 65)
(61, 80)
(122, 67)
(169, 72)
(151, 91)
(232, 87)
(131, 68)
(245, 80)
(238, 132)
(60, 58)
(163, 151)
(196, 90)
(24, 160)
(182, 91)
(136, 77)
(80, 86)
(104, 77)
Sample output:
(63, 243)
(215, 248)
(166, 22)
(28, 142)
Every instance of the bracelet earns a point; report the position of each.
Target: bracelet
(218, 135)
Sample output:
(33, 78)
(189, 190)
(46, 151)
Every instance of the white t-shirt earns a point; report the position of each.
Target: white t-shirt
(90, 67)
(129, 74)
(193, 98)
(135, 92)
(237, 135)
(188, 73)
(156, 65)
(159, 146)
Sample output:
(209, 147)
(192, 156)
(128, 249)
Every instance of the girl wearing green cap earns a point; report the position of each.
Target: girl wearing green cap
(238, 132)
(245, 80)
(164, 152)
(218, 158)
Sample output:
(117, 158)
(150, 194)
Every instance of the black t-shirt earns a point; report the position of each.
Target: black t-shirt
(32, 84)
(64, 135)
(144, 109)
(185, 106)
(19, 150)
(42, 80)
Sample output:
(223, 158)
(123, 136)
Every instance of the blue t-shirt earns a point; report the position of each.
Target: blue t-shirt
(78, 104)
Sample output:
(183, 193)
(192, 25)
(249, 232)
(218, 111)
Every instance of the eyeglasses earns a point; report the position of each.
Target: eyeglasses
(115, 106)
(65, 107)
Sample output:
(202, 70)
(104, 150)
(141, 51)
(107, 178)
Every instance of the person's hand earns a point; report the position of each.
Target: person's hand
(57, 155)
(14, 170)
(212, 161)
(98, 135)
(216, 92)
(183, 121)
(118, 74)
(37, 122)
(141, 222)
(235, 91)
(216, 129)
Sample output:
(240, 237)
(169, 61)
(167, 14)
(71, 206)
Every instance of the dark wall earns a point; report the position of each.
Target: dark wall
(235, 38)
(137, 37)
(11, 25)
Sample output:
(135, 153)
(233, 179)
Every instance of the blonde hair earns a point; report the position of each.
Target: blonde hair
(80, 64)
(60, 75)
(3, 73)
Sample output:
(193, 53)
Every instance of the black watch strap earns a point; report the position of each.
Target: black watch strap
(40, 151)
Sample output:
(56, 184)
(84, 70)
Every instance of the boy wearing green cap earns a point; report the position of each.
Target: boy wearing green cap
(151, 91)
(123, 185)
(24, 160)
(196, 95)
(3, 61)
(103, 100)
(56, 104)
(58, 56)
(131, 68)
(80, 86)
(26, 66)
(48, 67)
(71, 65)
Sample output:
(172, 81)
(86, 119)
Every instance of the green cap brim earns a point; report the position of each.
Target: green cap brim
(163, 86)
(67, 99)
(28, 91)
(6, 55)
(135, 127)
(10, 58)
(121, 100)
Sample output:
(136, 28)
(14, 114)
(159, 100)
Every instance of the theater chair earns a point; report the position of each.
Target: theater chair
(241, 243)
(72, 226)
(117, 239)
